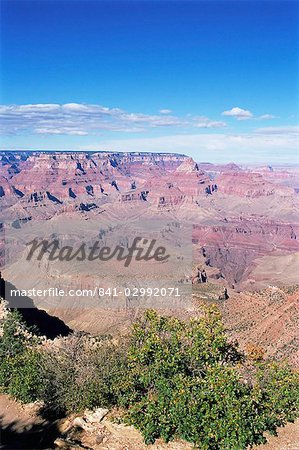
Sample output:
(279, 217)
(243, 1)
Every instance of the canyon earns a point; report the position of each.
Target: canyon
(241, 223)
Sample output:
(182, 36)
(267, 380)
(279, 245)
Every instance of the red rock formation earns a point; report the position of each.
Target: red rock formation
(222, 206)
(249, 184)
(268, 319)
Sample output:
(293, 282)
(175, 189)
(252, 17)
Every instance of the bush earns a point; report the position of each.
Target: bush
(79, 376)
(20, 363)
(25, 381)
(278, 385)
(174, 378)
(184, 381)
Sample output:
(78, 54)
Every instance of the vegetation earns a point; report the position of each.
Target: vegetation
(172, 378)
(187, 380)
(20, 361)
(78, 377)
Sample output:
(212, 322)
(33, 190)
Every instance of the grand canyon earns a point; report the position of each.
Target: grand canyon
(149, 225)
(244, 223)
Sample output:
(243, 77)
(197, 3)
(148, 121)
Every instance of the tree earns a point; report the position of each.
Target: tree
(184, 380)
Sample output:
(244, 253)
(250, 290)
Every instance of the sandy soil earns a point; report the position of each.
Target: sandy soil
(23, 428)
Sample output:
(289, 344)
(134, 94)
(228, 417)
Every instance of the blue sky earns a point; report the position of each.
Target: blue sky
(214, 79)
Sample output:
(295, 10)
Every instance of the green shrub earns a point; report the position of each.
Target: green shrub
(25, 381)
(175, 378)
(279, 387)
(184, 381)
(20, 363)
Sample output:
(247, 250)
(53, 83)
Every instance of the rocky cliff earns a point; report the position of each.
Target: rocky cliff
(238, 215)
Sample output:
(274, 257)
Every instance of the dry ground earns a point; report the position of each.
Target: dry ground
(23, 428)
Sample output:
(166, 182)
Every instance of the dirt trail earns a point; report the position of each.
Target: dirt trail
(23, 428)
(287, 439)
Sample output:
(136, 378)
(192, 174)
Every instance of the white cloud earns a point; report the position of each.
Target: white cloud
(204, 122)
(63, 130)
(36, 108)
(284, 130)
(238, 113)
(245, 114)
(220, 147)
(75, 107)
(267, 117)
(165, 111)
(82, 119)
